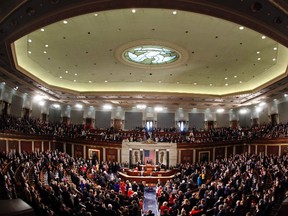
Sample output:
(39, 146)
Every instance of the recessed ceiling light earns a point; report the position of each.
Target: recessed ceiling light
(285, 95)
(29, 52)
(95, 14)
(60, 77)
(240, 81)
(66, 71)
(45, 52)
(42, 29)
(46, 45)
(274, 59)
(177, 82)
(141, 81)
(258, 59)
(76, 74)
(133, 11)
(241, 27)
(235, 76)
(195, 83)
(263, 37)
(105, 81)
(65, 21)
(275, 48)
(226, 78)
(258, 52)
(74, 80)
(174, 12)
(210, 84)
(226, 84)
(30, 40)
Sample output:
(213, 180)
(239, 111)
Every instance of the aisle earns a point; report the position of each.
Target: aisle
(150, 201)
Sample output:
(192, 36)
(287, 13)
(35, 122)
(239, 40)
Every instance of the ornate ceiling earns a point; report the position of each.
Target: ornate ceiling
(225, 54)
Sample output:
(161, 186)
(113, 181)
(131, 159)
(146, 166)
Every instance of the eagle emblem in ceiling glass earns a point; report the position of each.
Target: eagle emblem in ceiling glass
(151, 55)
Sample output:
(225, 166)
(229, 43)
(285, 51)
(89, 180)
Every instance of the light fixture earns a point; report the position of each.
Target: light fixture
(274, 59)
(275, 48)
(42, 29)
(90, 81)
(262, 104)
(220, 110)
(29, 52)
(74, 80)
(60, 77)
(79, 106)
(158, 109)
(46, 45)
(258, 52)
(107, 106)
(56, 106)
(241, 27)
(258, 59)
(263, 37)
(140, 106)
(75, 74)
(174, 12)
(30, 40)
(133, 11)
(42, 103)
(258, 109)
(243, 111)
(66, 72)
(235, 76)
(65, 21)
(38, 98)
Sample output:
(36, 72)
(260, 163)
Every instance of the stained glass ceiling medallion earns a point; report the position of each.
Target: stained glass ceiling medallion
(151, 55)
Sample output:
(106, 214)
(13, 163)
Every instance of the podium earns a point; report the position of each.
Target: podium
(149, 167)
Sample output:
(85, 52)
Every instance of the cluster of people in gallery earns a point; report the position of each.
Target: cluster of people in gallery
(54, 183)
(140, 134)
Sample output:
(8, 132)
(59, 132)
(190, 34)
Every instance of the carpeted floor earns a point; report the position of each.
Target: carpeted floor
(150, 201)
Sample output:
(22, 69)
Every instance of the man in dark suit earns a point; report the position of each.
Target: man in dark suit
(149, 213)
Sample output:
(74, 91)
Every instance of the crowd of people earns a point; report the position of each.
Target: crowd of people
(240, 185)
(140, 134)
(54, 183)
